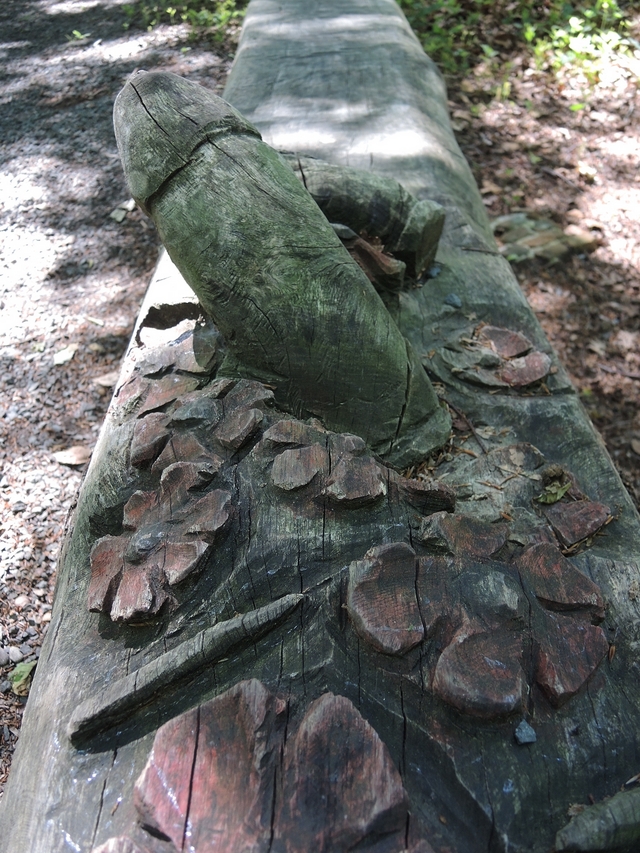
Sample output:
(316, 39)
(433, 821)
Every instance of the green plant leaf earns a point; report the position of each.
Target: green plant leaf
(554, 492)
(20, 678)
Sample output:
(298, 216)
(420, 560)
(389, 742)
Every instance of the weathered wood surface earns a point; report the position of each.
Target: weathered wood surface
(330, 656)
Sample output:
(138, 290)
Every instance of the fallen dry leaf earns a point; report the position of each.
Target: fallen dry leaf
(106, 380)
(490, 187)
(76, 455)
(65, 355)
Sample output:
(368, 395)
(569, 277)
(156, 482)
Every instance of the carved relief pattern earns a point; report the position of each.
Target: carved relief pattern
(236, 774)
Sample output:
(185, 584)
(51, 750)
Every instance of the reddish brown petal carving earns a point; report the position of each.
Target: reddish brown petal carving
(183, 558)
(481, 674)
(295, 468)
(166, 390)
(462, 535)
(179, 479)
(557, 583)
(134, 388)
(107, 562)
(340, 784)
(178, 354)
(238, 427)
(138, 505)
(185, 447)
(140, 593)
(245, 394)
(163, 790)
(573, 522)
(209, 515)
(356, 482)
(523, 371)
(505, 342)
(206, 410)
(208, 783)
(345, 442)
(569, 652)
(427, 496)
(382, 599)
(149, 437)
(293, 432)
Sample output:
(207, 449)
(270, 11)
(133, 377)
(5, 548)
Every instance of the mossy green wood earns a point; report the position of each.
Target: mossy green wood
(296, 311)
(376, 206)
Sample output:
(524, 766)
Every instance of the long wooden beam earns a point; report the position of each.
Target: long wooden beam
(312, 651)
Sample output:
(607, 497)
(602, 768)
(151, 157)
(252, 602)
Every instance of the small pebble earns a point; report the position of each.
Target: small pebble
(5, 687)
(15, 655)
(453, 299)
(4, 657)
(525, 733)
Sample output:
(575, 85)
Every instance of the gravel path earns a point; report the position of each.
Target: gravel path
(75, 259)
(71, 280)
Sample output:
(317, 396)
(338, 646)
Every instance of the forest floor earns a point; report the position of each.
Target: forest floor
(74, 265)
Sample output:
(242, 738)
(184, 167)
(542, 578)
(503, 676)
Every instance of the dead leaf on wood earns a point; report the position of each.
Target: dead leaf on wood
(65, 355)
(76, 455)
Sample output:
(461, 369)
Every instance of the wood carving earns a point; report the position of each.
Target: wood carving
(266, 635)
(296, 311)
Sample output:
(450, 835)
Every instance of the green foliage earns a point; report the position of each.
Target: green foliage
(554, 492)
(458, 34)
(20, 678)
(216, 17)
(76, 35)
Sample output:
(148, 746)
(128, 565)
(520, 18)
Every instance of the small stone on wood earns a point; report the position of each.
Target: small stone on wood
(525, 733)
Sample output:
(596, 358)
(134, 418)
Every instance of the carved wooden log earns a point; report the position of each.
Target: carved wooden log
(263, 636)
